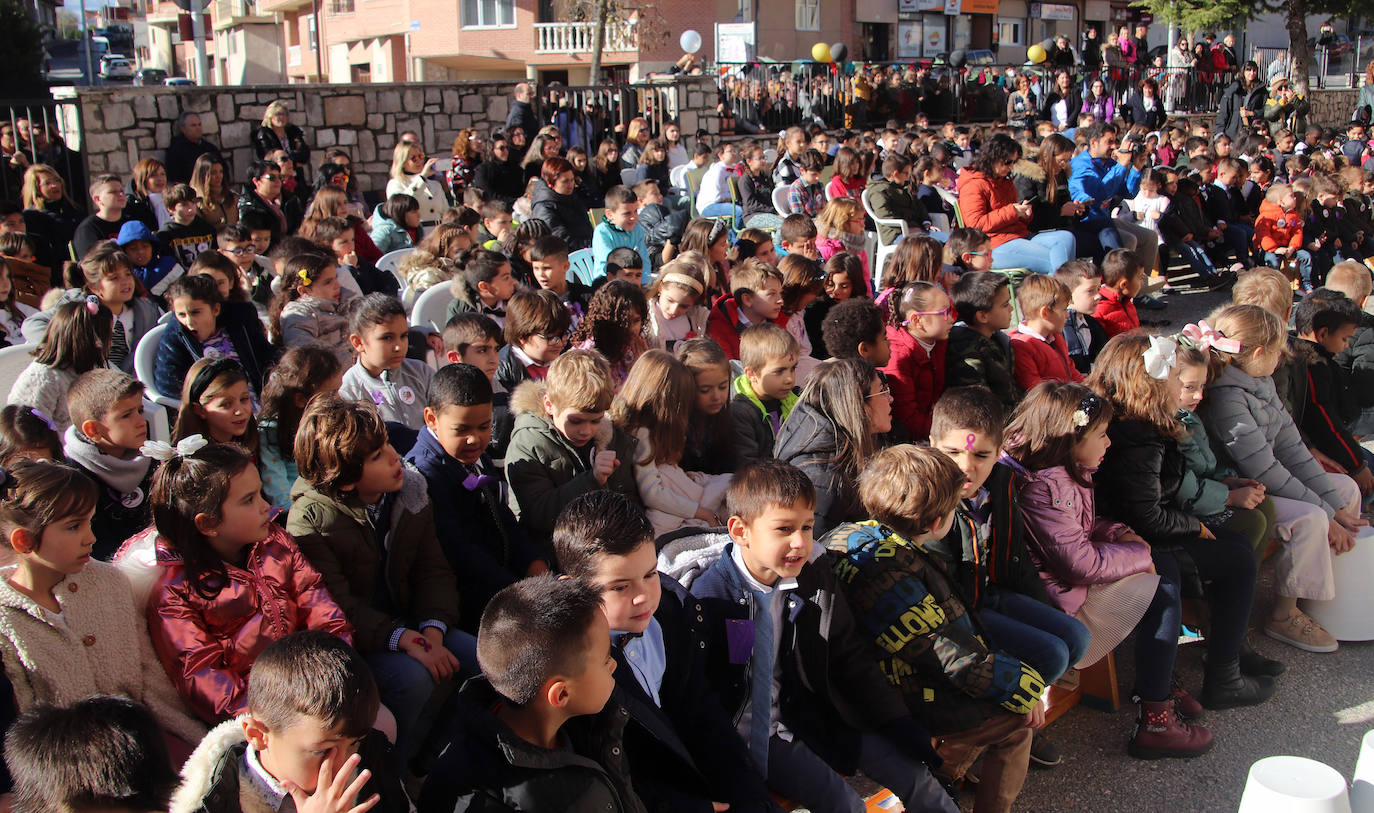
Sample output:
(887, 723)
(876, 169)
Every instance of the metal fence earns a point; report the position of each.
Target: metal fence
(45, 131)
(609, 106)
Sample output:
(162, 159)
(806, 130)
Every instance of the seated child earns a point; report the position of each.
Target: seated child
(1279, 230)
(1271, 290)
(1123, 275)
(100, 753)
(976, 698)
(1324, 323)
(537, 328)
(1039, 350)
(53, 598)
(335, 236)
(652, 407)
(805, 195)
(471, 338)
(1084, 336)
(625, 263)
(837, 712)
(979, 351)
(676, 311)
(755, 298)
(564, 444)
(217, 405)
(73, 343)
(764, 396)
(857, 328)
(604, 540)
(308, 310)
(539, 723)
(709, 445)
(484, 285)
(365, 523)
(485, 546)
(396, 223)
(186, 235)
(302, 373)
(548, 258)
(399, 386)
(27, 434)
(918, 332)
(209, 326)
(620, 229)
(221, 581)
(303, 742)
(1357, 359)
(103, 442)
(842, 272)
(153, 269)
(236, 242)
(615, 326)
(797, 235)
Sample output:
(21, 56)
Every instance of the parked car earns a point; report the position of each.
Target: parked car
(179, 82)
(150, 77)
(115, 66)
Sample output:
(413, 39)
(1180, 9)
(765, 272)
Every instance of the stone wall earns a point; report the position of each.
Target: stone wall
(121, 126)
(1332, 108)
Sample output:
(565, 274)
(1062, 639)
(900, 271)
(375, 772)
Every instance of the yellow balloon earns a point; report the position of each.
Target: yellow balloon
(820, 52)
(1036, 54)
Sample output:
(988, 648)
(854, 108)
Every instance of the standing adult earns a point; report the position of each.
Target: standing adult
(50, 149)
(1364, 105)
(1179, 66)
(1141, 44)
(1092, 50)
(186, 146)
(1021, 109)
(467, 155)
(1063, 102)
(1242, 103)
(276, 132)
(522, 113)
(636, 137)
(989, 202)
(1062, 55)
(1129, 52)
(1098, 181)
(1144, 107)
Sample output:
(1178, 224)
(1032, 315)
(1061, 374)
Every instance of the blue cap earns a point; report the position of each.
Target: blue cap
(135, 230)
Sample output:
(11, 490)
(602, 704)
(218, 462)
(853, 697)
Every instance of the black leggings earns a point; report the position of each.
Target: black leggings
(1227, 567)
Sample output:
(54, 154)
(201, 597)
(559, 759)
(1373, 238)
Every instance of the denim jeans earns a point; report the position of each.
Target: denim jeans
(1198, 260)
(798, 773)
(1049, 640)
(406, 688)
(1241, 238)
(1042, 253)
(723, 208)
(1302, 257)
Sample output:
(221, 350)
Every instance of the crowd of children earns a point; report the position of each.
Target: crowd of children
(745, 515)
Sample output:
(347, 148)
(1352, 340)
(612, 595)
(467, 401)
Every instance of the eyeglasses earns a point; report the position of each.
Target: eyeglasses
(270, 177)
(885, 391)
(562, 338)
(946, 313)
(239, 252)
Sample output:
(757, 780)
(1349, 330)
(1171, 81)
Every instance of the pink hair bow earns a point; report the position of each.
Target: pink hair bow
(1203, 337)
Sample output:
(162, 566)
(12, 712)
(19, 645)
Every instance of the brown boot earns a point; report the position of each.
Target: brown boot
(1160, 733)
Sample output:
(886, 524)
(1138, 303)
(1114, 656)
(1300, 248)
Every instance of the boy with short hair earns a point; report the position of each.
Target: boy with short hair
(235, 241)
(857, 328)
(805, 195)
(109, 197)
(816, 707)
(540, 732)
(1083, 334)
(1357, 359)
(259, 225)
(311, 706)
(764, 395)
(755, 298)
(549, 263)
(1040, 353)
(979, 351)
(536, 331)
(485, 545)
(563, 444)
(150, 266)
(1323, 324)
(797, 235)
(977, 699)
(627, 264)
(107, 430)
(606, 541)
(1123, 275)
(474, 338)
(496, 224)
(335, 235)
(399, 386)
(186, 234)
(620, 229)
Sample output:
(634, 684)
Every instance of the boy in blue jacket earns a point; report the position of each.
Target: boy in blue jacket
(485, 545)
(150, 267)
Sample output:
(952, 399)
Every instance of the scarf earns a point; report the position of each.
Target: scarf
(122, 475)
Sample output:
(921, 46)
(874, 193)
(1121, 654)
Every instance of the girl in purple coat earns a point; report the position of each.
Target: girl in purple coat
(1098, 571)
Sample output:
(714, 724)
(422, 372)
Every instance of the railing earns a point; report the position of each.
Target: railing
(60, 122)
(576, 38)
(293, 56)
(613, 106)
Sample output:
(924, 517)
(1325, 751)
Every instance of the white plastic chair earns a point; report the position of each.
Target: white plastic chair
(677, 176)
(431, 307)
(159, 427)
(390, 262)
(770, 154)
(145, 361)
(884, 250)
(780, 201)
(13, 360)
(627, 176)
(581, 265)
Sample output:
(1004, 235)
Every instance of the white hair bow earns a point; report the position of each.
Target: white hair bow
(1160, 357)
(165, 451)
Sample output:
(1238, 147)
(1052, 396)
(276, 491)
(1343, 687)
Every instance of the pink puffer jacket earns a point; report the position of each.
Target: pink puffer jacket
(207, 645)
(1072, 548)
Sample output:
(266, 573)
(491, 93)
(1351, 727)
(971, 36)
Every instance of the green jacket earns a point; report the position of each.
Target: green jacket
(546, 472)
(974, 359)
(754, 434)
(1201, 493)
(892, 200)
(338, 539)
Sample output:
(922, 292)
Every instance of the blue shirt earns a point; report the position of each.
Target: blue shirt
(607, 237)
(647, 657)
(1098, 180)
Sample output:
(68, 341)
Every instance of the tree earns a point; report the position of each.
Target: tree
(650, 29)
(1197, 15)
(21, 52)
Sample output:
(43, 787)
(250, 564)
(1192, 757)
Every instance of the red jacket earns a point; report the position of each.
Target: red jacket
(207, 645)
(722, 324)
(1035, 360)
(1117, 315)
(1275, 228)
(916, 379)
(989, 205)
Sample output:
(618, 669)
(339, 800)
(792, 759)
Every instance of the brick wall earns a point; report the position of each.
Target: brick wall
(122, 125)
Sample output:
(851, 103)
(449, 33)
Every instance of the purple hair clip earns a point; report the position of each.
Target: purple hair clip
(52, 424)
(93, 304)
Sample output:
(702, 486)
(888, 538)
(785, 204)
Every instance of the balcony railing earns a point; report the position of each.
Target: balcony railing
(576, 38)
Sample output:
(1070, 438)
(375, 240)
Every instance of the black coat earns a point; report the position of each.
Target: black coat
(1133, 111)
(1234, 99)
(1033, 185)
(266, 140)
(179, 349)
(808, 441)
(251, 201)
(662, 225)
(756, 194)
(182, 155)
(501, 180)
(1138, 480)
(1075, 105)
(565, 216)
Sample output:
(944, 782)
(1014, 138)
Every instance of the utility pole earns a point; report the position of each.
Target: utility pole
(86, 45)
(198, 31)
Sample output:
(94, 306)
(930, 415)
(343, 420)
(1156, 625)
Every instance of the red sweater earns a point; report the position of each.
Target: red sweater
(1117, 315)
(1035, 360)
(917, 379)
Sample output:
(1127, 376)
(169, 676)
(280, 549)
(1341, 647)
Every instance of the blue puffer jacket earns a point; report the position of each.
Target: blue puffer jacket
(179, 349)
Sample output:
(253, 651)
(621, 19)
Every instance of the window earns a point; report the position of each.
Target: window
(310, 34)
(745, 11)
(808, 15)
(488, 13)
(1009, 32)
(340, 6)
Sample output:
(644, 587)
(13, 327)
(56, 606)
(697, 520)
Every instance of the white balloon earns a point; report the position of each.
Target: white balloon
(690, 41)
